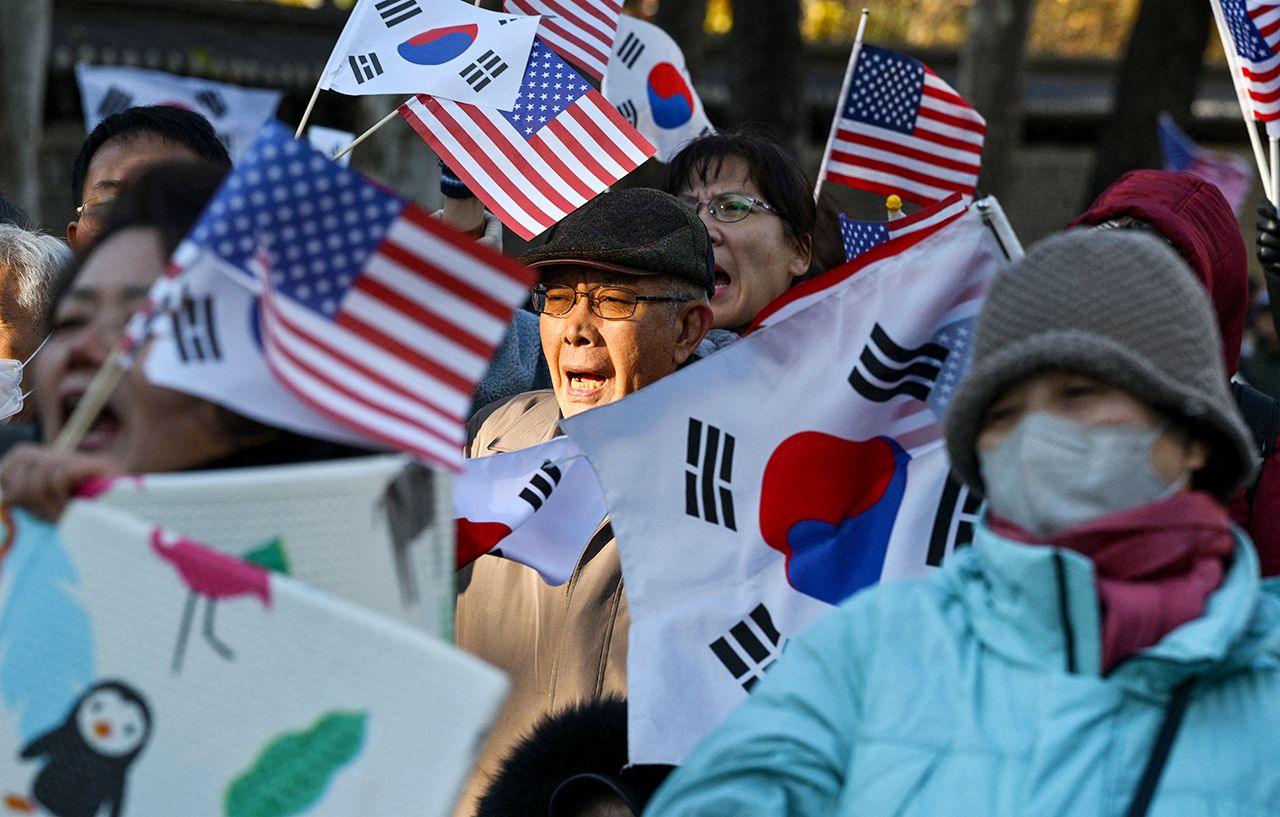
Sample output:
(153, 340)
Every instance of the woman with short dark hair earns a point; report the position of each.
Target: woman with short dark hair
(758, 207)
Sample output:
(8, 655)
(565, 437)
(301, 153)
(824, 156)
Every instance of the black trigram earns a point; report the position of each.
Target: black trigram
(115, 101)
(540, 486)
(212, 102)
(395, 12)
(907, 371)
(710, 471)
(757, 647)
(953, 524)
(365, 66)
(630, 49)
(483, 71)
(629, 113)
(195, 332)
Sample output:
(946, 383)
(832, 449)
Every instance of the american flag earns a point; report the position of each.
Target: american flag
(1255, 30)
(903, 130)
(1232, 175)
(581, 31)
(863, 236)
(372, 312)
(561, 145)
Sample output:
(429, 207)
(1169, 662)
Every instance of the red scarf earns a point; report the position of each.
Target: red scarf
(1156, 566)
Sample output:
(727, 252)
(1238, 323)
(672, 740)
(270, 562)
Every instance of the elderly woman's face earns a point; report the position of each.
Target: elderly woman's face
(756, 259)
(144, 427)
(1089, 401)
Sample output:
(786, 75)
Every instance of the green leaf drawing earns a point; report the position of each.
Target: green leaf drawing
(270, 555)
(294, 770)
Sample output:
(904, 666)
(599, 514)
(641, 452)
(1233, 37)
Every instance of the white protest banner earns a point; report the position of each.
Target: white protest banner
(538, 506)
(445, 48)
(144, 674)
(374, 530)
(649, 84)
(755, 489)
(236, 113)
(330, 140)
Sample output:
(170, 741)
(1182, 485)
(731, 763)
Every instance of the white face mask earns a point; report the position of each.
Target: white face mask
(11, 394)
(1052, 474)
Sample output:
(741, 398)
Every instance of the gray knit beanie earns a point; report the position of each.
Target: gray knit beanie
(1120, 306)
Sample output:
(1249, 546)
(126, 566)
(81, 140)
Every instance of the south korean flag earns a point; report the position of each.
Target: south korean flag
(649, 84)
(236, 113)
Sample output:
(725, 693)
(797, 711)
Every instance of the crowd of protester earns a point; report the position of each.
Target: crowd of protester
(1107, 644)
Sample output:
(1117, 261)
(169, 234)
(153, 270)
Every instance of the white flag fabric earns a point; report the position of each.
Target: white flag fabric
(768, 482)
(446, 48)
(330, 140)
(649, 84)
(374, 530)
(142, 673)
(236, 113)
(210, 346)
(538, 506)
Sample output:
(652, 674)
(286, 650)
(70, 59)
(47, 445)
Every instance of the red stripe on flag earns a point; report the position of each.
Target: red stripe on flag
(903, 150)
(1261, 76)
(881, 189)
(411, 356)
(1267, 97)
(618, 121)
(562, 170)
(502, 264)
(946, 96)
(476, 152)
(1269, 29)
(593, 129)
(541, 183)
(419, 314)
(929, 212)
(365, 371)
(580, 151)
(929, 136)
(282, 347)
(458, 164)
(953, 121)
(912, 175)
(421, 268)
(574, 19)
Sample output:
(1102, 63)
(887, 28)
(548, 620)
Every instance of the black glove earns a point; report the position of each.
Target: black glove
(1269, 255)
(451, 185)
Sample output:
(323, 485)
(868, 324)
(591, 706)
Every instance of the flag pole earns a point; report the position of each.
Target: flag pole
(1275, 168)
(384, 120)
(1242, 99)
(844, 92)
(311, 104)
(90, 405)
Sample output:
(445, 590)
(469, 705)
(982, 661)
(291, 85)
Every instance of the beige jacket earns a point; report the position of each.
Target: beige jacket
(560, 645)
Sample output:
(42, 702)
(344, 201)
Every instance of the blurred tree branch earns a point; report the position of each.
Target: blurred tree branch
(766, 54)
(24, 53)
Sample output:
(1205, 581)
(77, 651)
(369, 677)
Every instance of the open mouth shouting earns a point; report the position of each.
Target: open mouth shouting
(722, 280)
(105, 428)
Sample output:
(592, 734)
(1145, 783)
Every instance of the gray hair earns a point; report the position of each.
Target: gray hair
(34, 259)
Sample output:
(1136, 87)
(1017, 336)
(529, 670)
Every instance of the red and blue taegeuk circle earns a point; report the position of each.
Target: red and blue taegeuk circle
(438, 45)
(670, 98)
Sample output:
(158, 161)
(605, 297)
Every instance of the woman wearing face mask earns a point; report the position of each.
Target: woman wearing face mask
(143, 427)
(1104, 647)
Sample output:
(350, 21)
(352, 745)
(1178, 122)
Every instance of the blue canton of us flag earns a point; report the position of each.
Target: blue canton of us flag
(316, 221)
(1249, 41)
(549, 87)
(861, 236)
(957, 337)
(886, 90)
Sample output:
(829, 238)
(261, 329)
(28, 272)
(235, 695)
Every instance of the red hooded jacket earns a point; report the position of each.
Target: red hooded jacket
(1194, 217)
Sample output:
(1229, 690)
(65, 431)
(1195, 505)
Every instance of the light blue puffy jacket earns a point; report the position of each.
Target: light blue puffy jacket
(976, 691)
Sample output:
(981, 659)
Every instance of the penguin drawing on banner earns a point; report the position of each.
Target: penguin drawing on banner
(89, 754)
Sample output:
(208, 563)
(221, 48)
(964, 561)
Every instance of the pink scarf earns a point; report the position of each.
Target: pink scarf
(1156, 566)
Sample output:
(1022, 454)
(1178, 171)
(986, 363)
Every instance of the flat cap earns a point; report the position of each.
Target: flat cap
(637, 231)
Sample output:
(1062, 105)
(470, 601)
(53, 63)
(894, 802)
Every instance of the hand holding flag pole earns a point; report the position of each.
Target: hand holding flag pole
(840, 101)
(1268, 175)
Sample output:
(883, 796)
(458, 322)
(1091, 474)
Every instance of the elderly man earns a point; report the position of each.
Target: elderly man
(29, 265)
(623, 302)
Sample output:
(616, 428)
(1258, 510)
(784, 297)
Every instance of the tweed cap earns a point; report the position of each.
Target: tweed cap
(637, 231)
(1120, 306)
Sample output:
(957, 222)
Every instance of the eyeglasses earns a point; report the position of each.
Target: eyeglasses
(95, 208)
(728, 208)
(608, 302)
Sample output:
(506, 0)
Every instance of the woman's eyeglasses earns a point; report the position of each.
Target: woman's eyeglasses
(728, 208)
